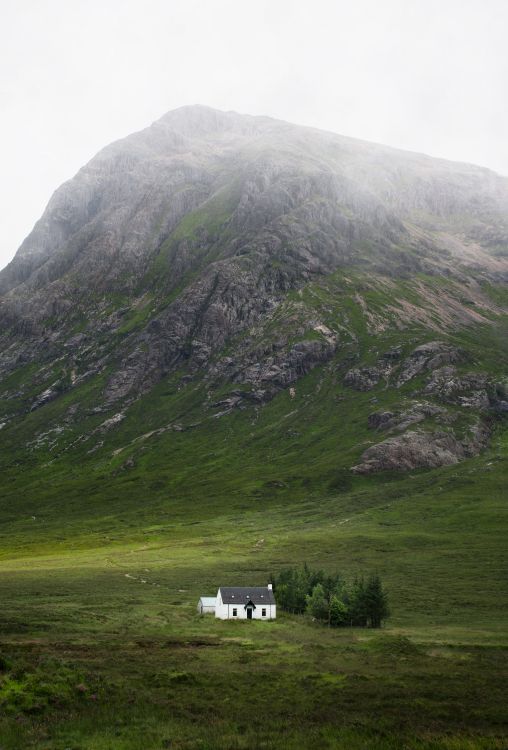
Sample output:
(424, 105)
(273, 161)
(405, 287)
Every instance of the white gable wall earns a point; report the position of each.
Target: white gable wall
(226, 611)
(204, 608)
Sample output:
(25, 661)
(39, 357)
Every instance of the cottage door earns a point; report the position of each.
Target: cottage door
(249, 613)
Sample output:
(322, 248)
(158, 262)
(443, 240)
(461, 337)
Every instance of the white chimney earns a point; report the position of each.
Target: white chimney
(270, 587)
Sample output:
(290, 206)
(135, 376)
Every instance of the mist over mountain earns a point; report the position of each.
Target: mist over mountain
(237, 254)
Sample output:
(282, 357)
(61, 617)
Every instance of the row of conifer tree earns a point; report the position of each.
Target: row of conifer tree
(362, 602)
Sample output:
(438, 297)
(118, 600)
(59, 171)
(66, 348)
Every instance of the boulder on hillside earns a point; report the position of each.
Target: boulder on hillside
(421, 450)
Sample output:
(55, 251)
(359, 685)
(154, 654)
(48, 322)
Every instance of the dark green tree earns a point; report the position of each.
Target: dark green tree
(291, 588)
(376, 602)
(339, 614)
(317, 604)
(357, 603)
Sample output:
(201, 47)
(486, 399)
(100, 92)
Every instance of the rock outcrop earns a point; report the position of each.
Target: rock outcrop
(428, 357)
(401, 420)
(473, 390)
(422, 450)
(363, 378)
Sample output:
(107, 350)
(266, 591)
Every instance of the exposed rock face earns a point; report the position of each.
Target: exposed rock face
(281, 368)
(229, 298)
(469, 390)
(382, 420)
(388, 420)
(112, 422)
(44, 398)
(428, 357)
(363, 379)
(421, 450)
(424, 358)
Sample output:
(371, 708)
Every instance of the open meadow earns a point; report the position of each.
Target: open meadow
(102, 649)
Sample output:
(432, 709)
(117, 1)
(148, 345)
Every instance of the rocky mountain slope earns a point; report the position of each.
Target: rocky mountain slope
(216, 265)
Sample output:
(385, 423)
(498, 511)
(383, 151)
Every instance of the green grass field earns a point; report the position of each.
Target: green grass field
(101, 646)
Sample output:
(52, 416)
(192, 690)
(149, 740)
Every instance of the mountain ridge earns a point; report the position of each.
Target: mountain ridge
(189, 117)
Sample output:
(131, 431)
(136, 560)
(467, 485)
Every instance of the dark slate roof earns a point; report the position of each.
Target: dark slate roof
(242, 594)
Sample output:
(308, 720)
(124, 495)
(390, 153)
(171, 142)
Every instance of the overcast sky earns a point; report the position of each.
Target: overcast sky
(425, 75)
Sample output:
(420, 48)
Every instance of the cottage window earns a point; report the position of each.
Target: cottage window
(263, 612)
(235, 611)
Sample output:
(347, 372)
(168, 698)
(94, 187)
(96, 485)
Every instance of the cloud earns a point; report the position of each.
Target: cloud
(423, 75)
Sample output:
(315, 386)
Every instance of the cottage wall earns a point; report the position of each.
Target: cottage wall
(225, 611)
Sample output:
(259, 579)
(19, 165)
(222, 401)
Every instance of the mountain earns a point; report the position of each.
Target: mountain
(240, 253)
(232, 345)
(274, 310)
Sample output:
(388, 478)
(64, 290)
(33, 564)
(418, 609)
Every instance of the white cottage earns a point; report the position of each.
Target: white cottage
(206, 605)
(245, 603)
